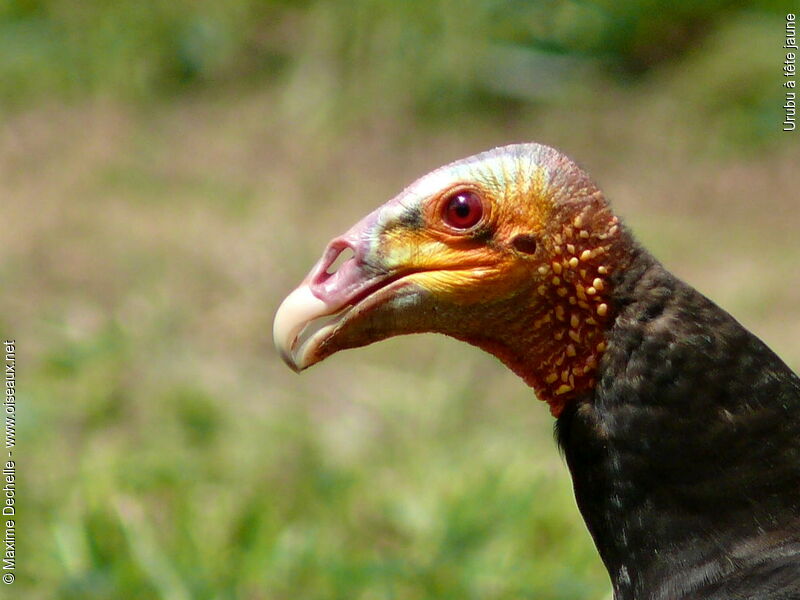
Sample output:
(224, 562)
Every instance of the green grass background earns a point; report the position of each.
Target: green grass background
(170, 170)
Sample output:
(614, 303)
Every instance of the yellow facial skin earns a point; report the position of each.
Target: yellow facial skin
(481, 263)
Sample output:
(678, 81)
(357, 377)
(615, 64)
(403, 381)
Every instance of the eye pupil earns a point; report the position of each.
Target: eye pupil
(463, 210)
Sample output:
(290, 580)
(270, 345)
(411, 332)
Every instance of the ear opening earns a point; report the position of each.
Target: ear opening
(525, 243)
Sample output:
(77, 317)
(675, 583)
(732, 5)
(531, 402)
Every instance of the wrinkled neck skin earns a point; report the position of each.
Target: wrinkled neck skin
(685, 456)
(553, 334)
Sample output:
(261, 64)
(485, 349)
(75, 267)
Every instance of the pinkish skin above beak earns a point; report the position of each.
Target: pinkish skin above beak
(311, 313)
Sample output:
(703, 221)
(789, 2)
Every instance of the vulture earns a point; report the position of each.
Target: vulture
(680, 428)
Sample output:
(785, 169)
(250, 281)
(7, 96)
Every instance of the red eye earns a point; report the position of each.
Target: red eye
(462, 210)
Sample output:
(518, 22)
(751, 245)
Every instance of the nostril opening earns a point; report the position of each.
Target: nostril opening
(338, 260)
(344, 255)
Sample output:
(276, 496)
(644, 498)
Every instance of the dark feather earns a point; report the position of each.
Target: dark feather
(686, 456)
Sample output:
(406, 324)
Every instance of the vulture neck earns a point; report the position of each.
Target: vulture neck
(685, 456)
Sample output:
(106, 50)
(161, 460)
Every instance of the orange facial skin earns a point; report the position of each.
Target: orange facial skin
(527, 282)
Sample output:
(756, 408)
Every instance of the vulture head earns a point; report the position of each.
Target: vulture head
(509, 250)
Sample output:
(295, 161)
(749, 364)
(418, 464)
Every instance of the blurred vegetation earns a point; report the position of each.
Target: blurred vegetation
(432, 58)
(170, 170)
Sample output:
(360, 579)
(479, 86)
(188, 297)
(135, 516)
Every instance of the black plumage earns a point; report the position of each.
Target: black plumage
(685, 457)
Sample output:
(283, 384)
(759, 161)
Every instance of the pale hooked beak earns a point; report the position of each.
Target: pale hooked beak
(311, 313)
(298, 310)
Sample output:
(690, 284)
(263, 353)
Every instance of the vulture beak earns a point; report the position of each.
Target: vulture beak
(309, 323)
(299, 309)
